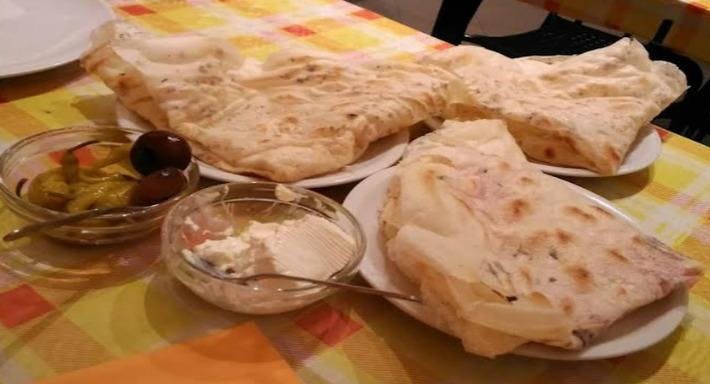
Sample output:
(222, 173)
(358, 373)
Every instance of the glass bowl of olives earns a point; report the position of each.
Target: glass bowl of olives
(57, 173)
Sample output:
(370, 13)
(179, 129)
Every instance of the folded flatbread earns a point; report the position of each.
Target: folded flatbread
(579, 111)
(299, 115)
(504, 254)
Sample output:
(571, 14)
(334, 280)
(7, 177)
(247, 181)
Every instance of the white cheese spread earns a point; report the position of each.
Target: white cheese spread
(310, 246)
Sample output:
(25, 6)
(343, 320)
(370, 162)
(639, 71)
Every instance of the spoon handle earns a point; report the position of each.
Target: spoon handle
(330, 283)
(33, 228)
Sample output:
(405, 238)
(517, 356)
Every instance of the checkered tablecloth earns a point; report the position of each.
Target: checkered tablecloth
(689, 34)
(64, 308)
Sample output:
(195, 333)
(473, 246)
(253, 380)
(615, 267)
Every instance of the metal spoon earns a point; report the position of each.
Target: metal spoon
(36, 227)
(244, 280)
(356, 288)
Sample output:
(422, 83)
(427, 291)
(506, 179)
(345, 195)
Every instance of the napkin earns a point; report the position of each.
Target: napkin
(238, 355)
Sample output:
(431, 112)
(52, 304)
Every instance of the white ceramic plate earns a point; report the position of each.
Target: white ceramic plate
(43, 34)
(379, 155)
(640, 329)
(643, 152)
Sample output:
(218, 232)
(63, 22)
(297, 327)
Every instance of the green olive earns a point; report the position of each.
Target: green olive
(105, 194)
(49, 190)
(116, 155)
(117, 194)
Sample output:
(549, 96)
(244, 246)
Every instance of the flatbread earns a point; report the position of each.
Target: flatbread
(578, 111)
(300, 115)
(505, 254)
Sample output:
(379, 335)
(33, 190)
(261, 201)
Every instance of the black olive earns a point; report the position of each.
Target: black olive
(159, 149)
(158, 187)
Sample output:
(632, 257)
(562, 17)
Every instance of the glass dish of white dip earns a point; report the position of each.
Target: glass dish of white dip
(243, 229)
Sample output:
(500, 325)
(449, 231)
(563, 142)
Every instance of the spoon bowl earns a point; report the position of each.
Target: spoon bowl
(246, 280)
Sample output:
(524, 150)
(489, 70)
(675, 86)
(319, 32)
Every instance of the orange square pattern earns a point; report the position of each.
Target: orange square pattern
(328, 324)
(298, 30)
(663, 133)
(367, 15)
(22, 304)
(136, 9)
(442, 46)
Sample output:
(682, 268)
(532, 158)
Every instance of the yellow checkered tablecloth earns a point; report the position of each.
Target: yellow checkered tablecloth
(64, 308)
(689, 35)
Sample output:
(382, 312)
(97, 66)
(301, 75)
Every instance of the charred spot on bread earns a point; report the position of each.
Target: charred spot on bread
(536, 239)
(611, 152)
(549, 153)
(526, 180)
(567, 305)
(602, 211)
(499, 294)
(519, 208)
(580, 275)
(572, 144)
(638, 240)
(579, 214)
(616, 255)
(430, 176)
(563, 236)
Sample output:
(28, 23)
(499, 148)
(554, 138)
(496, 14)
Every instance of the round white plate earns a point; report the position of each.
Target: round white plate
(42, 34)
(638, 330)
(642, 153)
(379, 155)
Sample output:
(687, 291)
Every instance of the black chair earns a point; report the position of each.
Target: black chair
(453, 19)
(699, 126)
(559, 36)
(678, 114)
(556, 36)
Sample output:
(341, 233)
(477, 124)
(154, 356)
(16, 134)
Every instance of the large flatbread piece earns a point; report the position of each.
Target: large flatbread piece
(300, 114)
(505, 255)
(578, 111)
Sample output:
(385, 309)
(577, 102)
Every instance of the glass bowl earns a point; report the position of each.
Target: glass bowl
(35, 154)
(206, 214)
